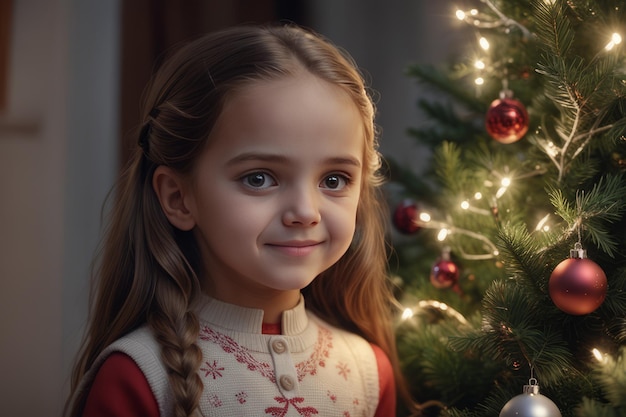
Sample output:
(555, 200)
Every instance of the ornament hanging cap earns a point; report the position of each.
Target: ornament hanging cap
(578, 252)
(505, 93)
(532, 388)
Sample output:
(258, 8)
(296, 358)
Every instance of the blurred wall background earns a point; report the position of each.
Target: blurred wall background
(75, 70)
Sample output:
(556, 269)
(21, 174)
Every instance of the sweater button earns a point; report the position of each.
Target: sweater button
(287, 382)
(279, 346)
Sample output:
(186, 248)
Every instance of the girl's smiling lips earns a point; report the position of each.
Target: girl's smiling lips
(295, 247)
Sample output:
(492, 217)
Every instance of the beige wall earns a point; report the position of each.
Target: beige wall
(57, 142)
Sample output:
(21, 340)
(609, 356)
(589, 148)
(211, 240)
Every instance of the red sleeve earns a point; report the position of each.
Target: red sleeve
(120, 390)
(386, 383)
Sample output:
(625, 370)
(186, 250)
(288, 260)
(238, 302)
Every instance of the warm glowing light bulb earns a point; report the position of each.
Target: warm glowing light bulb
(460, 14)
(425, 217)
(407, 314)
(543, 224)
(441, 236)
(474, 12)
(479, 64)
(506, 181)
(597, 354)
(478, 196)
(616, 39)
(551, 149)
(484, 43)
(465, 205)
(479, 81)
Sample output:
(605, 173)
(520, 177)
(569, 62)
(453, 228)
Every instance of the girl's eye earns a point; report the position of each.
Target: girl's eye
(335, 182)
(260, 180)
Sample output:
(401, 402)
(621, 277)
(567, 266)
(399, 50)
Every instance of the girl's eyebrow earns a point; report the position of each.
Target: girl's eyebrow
(267, 157)
(257, 156)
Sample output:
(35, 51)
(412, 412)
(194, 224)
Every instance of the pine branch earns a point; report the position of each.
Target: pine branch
(595, 211)
(438, 80)
(520, 253)
(445, 125)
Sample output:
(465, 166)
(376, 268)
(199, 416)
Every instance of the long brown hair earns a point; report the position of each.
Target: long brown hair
(148, 271)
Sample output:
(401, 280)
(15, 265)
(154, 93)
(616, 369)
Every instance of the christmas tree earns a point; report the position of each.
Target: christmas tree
(510, 247)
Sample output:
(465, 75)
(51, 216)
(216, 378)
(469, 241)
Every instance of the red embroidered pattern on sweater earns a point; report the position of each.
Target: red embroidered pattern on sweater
(282, 411)
(344, 370)
(212, 369)
(318, 358)
(242, 355)
(309, 366)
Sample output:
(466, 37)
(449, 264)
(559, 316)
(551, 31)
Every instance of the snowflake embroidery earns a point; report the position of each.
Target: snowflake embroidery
(215, 401)
(332, 396)
(241, 397)
(343, 370)
(282, 411)
(212, 369)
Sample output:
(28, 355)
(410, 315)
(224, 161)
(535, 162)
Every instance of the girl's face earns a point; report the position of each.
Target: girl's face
(275, 193)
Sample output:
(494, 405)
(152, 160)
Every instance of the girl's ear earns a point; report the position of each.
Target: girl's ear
(170, 189)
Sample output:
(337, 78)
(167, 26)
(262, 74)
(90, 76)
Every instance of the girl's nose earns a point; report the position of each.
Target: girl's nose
(302, 207)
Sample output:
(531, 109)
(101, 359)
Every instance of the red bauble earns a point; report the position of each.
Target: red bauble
(507, 120)
(406, 216)
(445, 274)
(577, 286)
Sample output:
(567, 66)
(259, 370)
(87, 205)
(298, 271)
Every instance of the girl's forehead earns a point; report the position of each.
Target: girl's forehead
(289, 96)
(299, 109)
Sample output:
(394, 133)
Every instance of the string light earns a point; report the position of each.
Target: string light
(465, 205)
(479, 81)
(462, 15)
(504, 186)
(597, 354)
(616, 39)
(479, 64)
(542, 225)
(408, 313)
(484, 43)
(443, 234)
(489, 21)
(425, 217)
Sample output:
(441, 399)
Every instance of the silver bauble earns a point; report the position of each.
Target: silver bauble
(530, 404)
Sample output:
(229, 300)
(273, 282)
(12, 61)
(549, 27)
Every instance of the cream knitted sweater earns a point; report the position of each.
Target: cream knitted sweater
(311, 369)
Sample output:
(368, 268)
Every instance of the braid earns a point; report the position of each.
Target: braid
(171, 316)
(177, 331)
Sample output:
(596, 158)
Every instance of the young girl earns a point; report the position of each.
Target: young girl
(243, 272)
